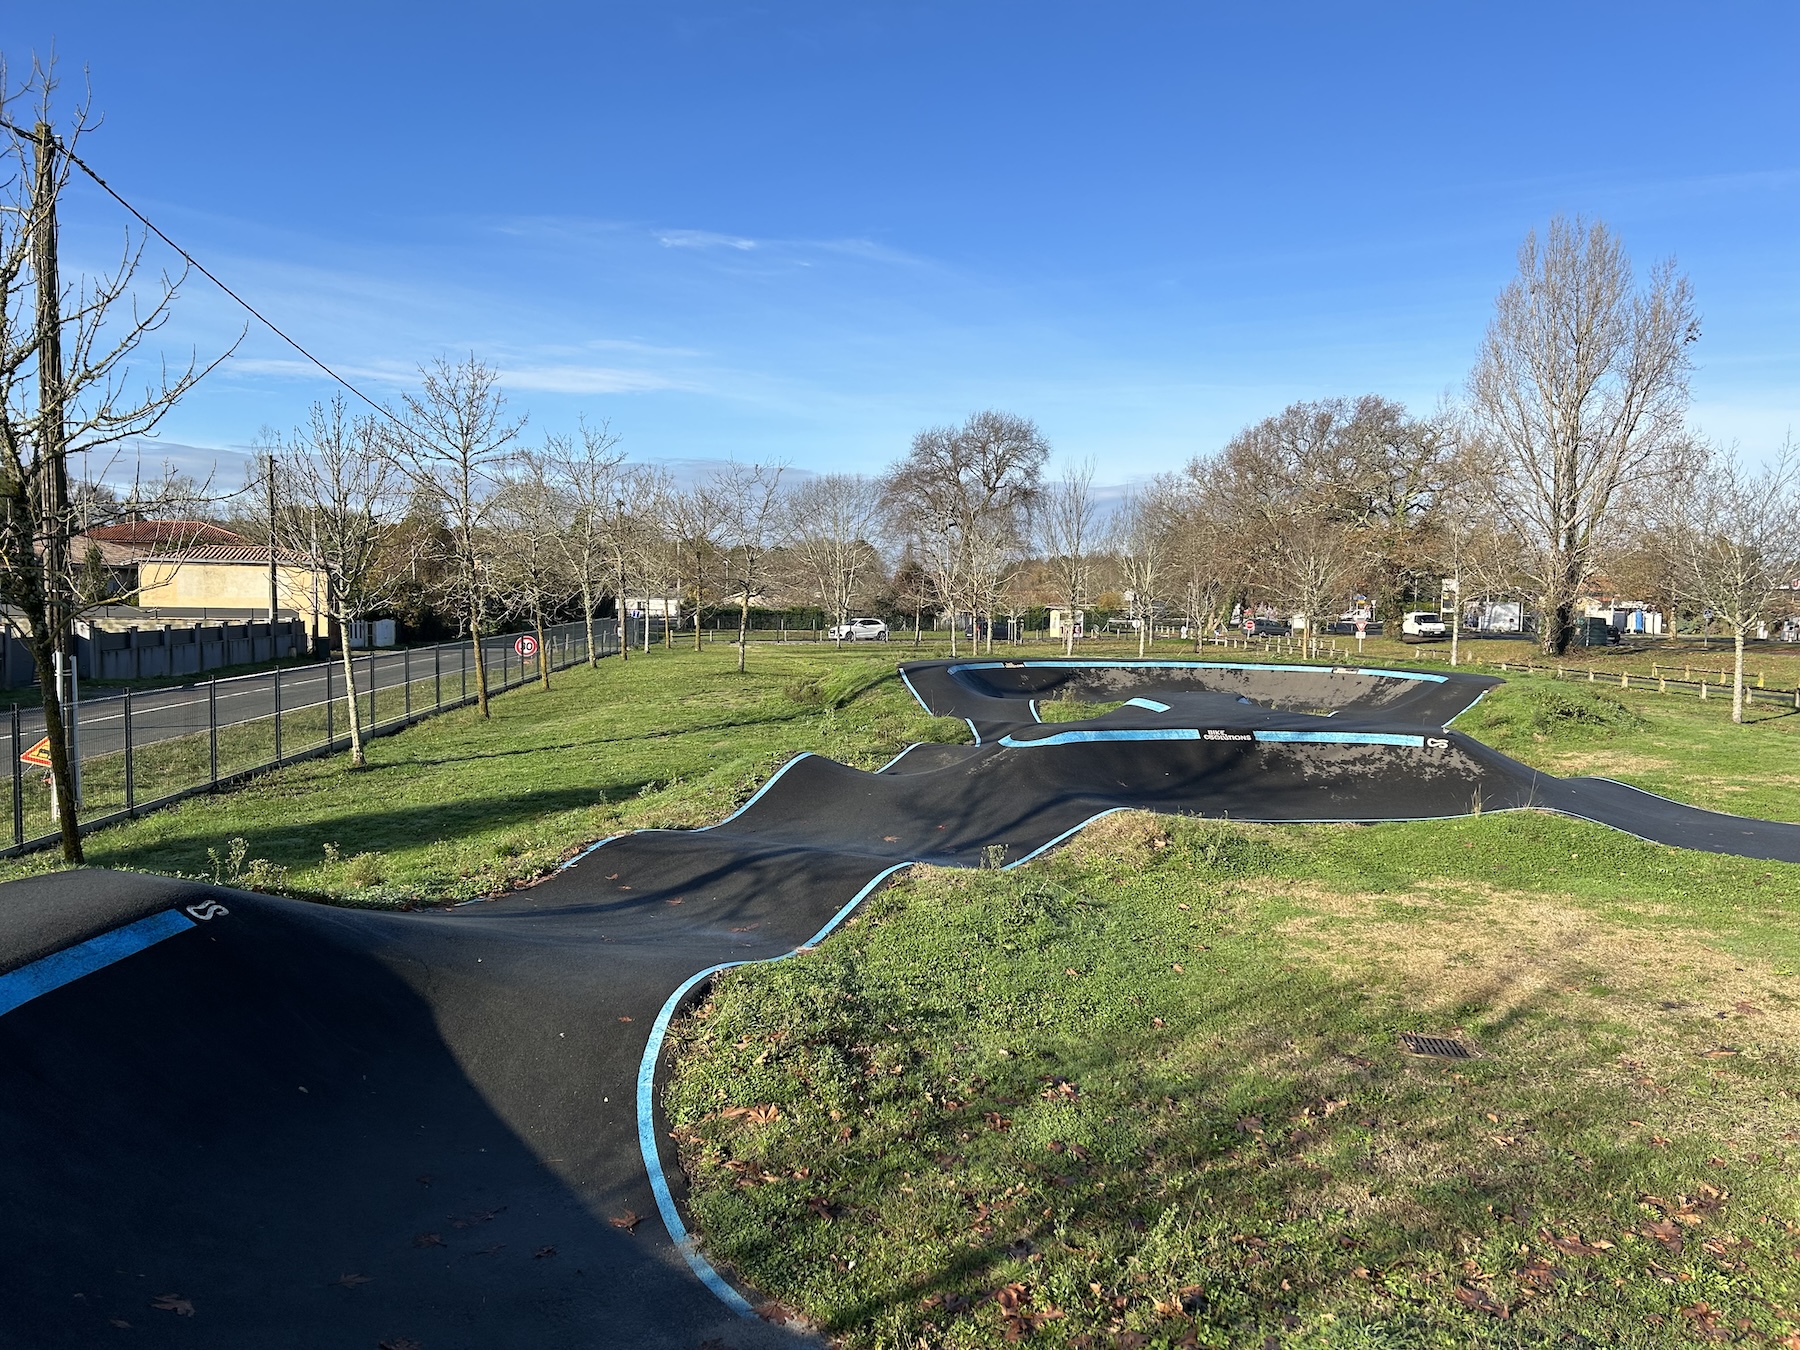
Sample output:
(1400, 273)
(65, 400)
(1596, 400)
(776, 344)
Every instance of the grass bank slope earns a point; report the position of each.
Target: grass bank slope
(1148, 1092)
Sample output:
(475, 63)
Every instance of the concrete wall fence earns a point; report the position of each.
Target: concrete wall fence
(170, 650)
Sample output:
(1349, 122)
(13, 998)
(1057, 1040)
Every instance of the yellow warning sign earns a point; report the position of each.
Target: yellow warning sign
(39, 754)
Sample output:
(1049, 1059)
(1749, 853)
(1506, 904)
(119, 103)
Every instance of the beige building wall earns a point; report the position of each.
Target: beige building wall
(223, 585)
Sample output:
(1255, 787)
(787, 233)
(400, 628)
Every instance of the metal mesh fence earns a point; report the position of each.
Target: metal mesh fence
(139, 749)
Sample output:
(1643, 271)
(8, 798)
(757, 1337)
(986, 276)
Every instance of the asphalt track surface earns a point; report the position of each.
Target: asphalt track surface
(319, 1127)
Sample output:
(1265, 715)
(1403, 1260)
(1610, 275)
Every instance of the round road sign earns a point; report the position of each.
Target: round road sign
(526, 645)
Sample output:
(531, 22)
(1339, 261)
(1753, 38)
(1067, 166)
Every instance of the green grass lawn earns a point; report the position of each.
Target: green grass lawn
(455, 807)
(1148, 1092)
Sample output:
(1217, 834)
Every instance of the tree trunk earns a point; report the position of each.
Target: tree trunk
(990, 632)
(543, 655)
(1456, 628)
(587, 611)
(743, 629)
(1737, 675)
(43, 655)
(481, 690)
(1143, 634)
(696, 622)
(918, 625)
(358, 759)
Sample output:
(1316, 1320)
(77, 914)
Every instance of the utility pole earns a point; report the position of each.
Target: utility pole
(53, 477)
(269, 478)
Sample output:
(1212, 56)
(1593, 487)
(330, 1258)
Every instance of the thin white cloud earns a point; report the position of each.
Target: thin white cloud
(703, 239)
(570, 379)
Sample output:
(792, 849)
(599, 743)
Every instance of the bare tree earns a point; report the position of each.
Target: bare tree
(961, 499)
(750, 497)
(64, 359)
(530, 524)
(1199, 549)
(1739, 545)
(455, 450)
(1311, 557)
(1143, 537)
(696, 519)
(1068, 534)
(335, 488)
(831, 522)
(1581, 381)
(584, 473)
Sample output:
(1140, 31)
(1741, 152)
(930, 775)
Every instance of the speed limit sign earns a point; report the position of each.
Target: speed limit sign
(526, 646)
(1250, 626)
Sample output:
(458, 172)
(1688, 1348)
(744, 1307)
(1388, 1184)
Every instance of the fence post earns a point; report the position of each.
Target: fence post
(329, 701)
(212, 727)
(19, 780)
(462, 662)
(406, 674)
(130, 774)
(370, 661)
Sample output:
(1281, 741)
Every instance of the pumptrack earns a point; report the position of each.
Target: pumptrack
(231, 1119)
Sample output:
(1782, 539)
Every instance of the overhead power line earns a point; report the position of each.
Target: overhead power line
(201, 268)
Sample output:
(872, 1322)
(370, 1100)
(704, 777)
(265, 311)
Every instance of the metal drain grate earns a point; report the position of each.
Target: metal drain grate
(1444, 1047)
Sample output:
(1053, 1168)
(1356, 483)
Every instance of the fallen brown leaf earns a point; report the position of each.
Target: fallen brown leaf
(174, 1303)
(629, 1220)
(428, 1240)
(352, 1281)
(1479, 1300)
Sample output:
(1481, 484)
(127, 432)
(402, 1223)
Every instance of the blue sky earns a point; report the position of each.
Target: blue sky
(804, 231)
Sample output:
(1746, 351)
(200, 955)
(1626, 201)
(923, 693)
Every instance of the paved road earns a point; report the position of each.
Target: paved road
(318, 1126)
(167, 712)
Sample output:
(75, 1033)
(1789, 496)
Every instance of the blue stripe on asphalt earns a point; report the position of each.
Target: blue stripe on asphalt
(915, 693)
(1084, 737)
(1343, 738)
(60, 968)
(1149, 703)
(684, 1241)
(804, 754)
(1196, 665)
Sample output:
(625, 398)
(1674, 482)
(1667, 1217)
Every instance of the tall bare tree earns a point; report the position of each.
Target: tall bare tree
(1143, 537)
(1581, 381)
(530, 523)
(65, 351)
(1068, 533)
(1739, 546)
(750, 498)
(583, 471)
(335, 485)
(456, 448)
(961, 499)
(832, 521)
(696, 520)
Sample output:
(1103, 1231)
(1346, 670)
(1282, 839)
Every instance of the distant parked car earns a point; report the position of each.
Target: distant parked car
(859, 630)
(1423, 625)
(1270, 627)
(1371, 627)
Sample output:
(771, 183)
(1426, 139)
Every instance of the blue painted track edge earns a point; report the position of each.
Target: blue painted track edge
(685, 1242)
(48, 973)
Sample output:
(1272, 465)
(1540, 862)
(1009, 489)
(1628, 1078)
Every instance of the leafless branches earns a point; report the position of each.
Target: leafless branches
(1581, 382)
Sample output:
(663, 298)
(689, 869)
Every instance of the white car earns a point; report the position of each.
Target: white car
(1423, 624)
(858, 630)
